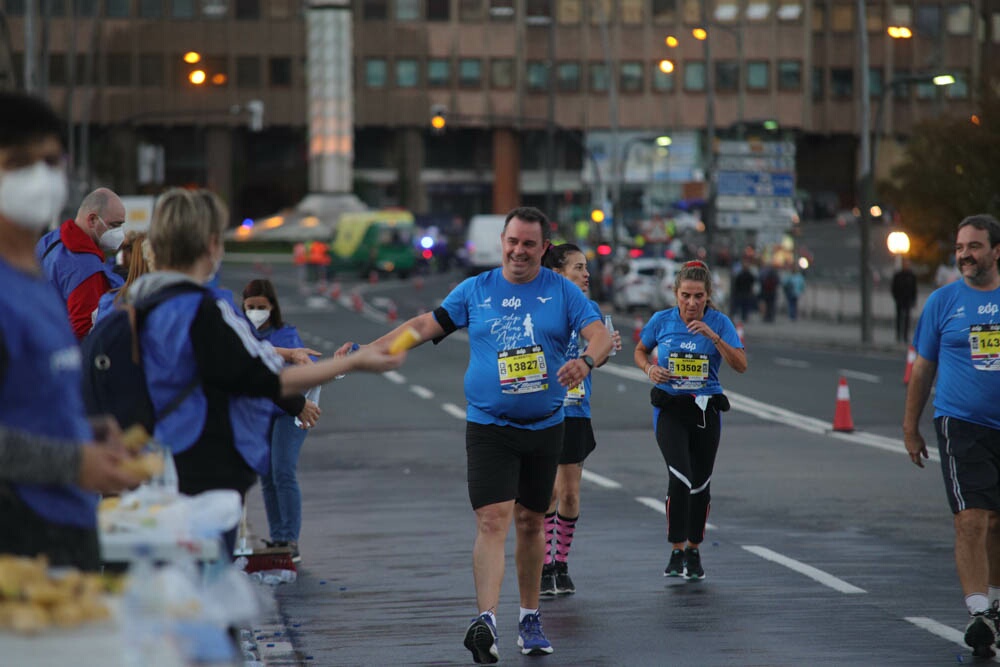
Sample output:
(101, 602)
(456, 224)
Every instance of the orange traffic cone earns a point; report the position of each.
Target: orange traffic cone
(842, 416)
(739, 330)
(356, 302)
(390, 312)
(911, 356)
(637, 329)
(373, 277)
(335, 290)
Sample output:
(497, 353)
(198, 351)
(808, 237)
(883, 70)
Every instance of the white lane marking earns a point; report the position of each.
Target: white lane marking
(858, 375)
(943, 631)
(393, 376)
(791, 363)
(422, 392)
(808, 570)
(453, 410)
(660, 506)
(773, 413)
(600, 480)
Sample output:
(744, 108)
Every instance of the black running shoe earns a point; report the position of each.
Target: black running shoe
(481, 639)
(675, 568)
(548, 588)
(981, 633)
(692, 565)
(564, 585)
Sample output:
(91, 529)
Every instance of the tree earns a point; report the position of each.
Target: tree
(949, 171)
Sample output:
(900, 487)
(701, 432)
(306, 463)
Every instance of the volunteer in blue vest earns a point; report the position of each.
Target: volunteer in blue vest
(958, 339)
(520, 319)
(73, 256)
(692, 340)
(44, 508)
(218, 434)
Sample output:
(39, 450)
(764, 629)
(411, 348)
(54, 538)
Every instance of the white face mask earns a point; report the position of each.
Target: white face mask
(33, 196)
(113, 238)
(258, 316)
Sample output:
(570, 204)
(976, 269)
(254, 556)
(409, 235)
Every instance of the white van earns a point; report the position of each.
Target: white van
(482, 242)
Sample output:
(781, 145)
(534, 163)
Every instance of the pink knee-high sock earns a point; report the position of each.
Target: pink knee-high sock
(550, 534)
(564, 536)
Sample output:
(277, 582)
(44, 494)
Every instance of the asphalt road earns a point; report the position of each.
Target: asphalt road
(824, 548)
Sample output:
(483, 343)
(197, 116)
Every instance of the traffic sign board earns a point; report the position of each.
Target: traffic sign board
(755, 148)
(755, 220)
(755, 184)
(731, 203)
(755, 163)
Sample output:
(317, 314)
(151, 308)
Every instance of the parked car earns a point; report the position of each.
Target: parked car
(639, 283)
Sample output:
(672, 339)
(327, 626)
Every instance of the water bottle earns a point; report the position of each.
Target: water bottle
(312, 395)
(611, 331)
(354, 348)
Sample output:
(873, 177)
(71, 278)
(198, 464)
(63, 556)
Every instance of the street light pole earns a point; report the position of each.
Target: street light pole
(709, 217)
(550, 130)
(865, 182)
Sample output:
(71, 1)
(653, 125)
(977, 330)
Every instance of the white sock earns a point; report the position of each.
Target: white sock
(493, 617)
(977, 603)
(994, 595)
(525, 612)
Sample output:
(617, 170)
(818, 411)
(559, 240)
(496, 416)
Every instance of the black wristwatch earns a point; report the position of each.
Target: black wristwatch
(589, 360)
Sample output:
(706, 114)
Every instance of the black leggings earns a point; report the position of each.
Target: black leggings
(689, 440)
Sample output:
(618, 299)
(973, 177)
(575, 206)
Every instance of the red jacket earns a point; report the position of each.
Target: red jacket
(81, 301)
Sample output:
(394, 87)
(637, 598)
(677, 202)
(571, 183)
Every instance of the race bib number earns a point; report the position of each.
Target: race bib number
(575, 395)
(687, 371)
(523, 370)
(984, 345)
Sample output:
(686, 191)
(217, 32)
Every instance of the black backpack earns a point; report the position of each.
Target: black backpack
(113, 380)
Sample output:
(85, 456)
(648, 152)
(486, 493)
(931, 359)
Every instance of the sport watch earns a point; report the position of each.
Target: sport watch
(589, 360)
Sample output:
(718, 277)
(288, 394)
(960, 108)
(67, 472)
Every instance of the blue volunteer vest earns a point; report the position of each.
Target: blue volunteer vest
(66, 269)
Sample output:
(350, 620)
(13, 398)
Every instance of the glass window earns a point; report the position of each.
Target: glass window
(694, 75)
(438, 72)
(928, 22)
(182, 9)
(842, 18)
(247, 10)
(375, 72)
(247, 72)
(438, 10)
(470, 72)
(789, 75)
(632, 12)
(876, 82)
(790, 10)
(280, 69)
(407, 73)
(85, 7)
(760, 10)
(81, 70)
(726, 11)
(375, 10)
(568, 77)
(960, 89)
(470, 10)
(664, 11)
(841, 81)
(569, 12)
(926, 91)
(873, 17)
(758, 75)
(818, 83)
(602, 11)
(631, 77)
(538, 11)
(662, 82)
(727, 75)
(117, 8)
(692, 12)
(598, 77)
(15, 7)
(151, 70)
(959, 19)
(901, 91)
(150, 9)
(502, 73)
(501, 10)
(119, 69)
(819, 16)
(901, 15)
(537, 76)
(57, 69)
(407, 10)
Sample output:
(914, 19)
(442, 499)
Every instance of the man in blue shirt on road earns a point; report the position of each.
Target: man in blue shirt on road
(958, 337)
(520, 319)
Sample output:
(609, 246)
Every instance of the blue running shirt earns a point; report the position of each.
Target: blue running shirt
(577, 402)
(518, 338)
(692, 358)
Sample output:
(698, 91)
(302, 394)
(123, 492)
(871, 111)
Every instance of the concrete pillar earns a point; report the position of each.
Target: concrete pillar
(506, 170)
(331, 96)
(409, 160)
(125, 148)
(219, 162)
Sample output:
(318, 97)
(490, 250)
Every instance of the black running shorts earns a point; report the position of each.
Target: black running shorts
(510, 463)
(578, 440)
(970, 463)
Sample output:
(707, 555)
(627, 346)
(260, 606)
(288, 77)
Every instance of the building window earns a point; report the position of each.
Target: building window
(694, 76)
(598, 77)
(928, 23)
(759, 10)
(959, 19)
(538, 12)
(151, 70)
(247, 72)
(789, 75)
(375, 10)
(758, 75)
(842, 18)
(631, 77)
(502, 73)
(375, 72)
(57, 69)
(280, 69)
(86, 7)
(247, 10)
(818, 83)
(217, 69)
(841, 82)
(819, 16)
(501, 10)
(960, 89)
(407, 73)
(790, 10)
(470, 10)
(602, 11)
(15, 7)
(876, 82)
(407, 10)
(662, 82)
(117, 9)
(927, 91)
(873, 17)
(727, 75)
(632, 12)
(726, 11)
(438, 73)
(901, 15)
(119, 69)
(182, 9)
(150, 9)
(438, 10)
(470, 72)
(692, 12)
(568, 77)
(568, 12)
(537, 76)
(901, 92)
(664, 12)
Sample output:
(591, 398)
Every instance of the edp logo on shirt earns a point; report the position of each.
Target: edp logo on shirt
(512, 302)
(989, 309)
(690, 347)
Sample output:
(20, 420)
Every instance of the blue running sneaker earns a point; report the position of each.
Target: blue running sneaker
(481, 639)
(530, 638)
